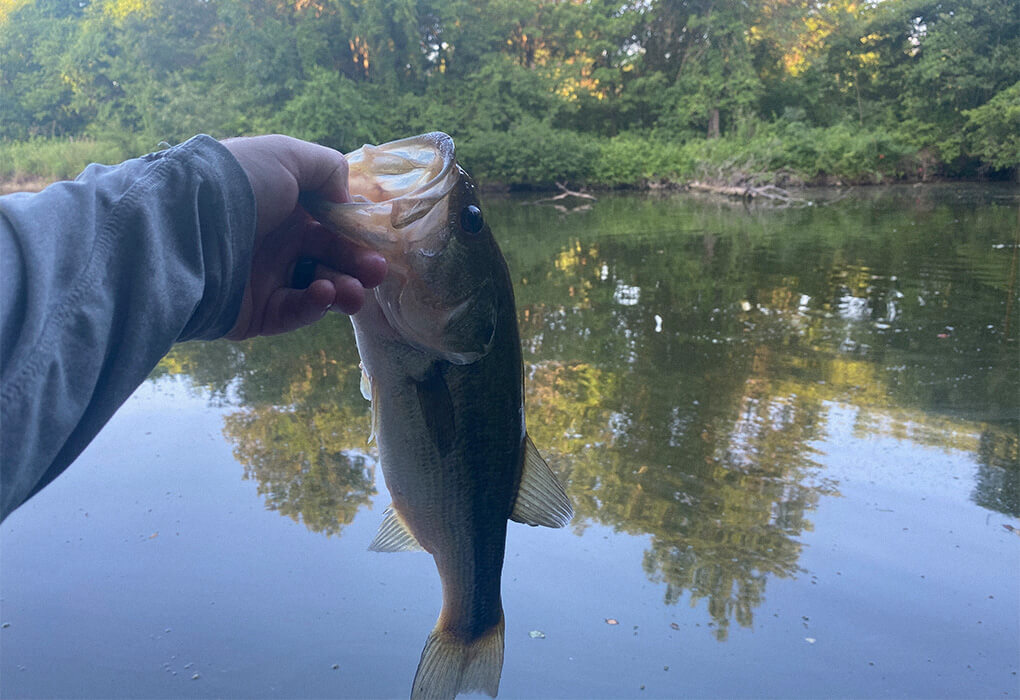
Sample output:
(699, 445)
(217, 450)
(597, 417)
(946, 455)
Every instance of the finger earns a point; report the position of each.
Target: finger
(368, 266)
(349, 297)
(349, 294)
(290, 309)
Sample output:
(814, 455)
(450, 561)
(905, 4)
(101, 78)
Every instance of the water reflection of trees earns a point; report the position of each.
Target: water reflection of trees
(711, 360)
(301, 426)
(681, 365)
(722, 492)
(302, 463)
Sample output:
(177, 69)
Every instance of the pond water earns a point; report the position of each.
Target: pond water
(790, 437)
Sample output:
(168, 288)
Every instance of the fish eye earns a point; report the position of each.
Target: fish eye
(471, 219)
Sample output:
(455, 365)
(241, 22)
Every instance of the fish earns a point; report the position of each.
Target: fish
(441, 363)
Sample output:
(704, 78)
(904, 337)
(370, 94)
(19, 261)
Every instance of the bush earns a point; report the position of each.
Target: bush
(637, 159)
(530, 153)
(994, 129)
(332, 110)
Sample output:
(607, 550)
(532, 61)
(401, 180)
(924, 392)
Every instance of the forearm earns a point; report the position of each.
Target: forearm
(100, 277)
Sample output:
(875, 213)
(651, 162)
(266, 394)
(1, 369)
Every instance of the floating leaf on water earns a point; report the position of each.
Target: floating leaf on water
(612, 621)
(536, 634)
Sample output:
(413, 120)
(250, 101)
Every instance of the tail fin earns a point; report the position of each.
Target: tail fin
(450, 666)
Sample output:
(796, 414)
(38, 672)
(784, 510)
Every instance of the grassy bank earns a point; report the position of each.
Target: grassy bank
(788, 154)
(27, 164)
(535, 155)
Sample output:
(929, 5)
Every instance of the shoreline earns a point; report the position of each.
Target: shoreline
(823, 182)
(36, 184)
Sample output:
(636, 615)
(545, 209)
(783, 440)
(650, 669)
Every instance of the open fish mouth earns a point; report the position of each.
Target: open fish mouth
(400, 208)
(398, 192)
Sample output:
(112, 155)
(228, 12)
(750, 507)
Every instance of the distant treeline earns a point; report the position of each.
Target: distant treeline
(590, 92)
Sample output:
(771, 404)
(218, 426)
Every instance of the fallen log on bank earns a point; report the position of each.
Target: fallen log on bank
(768, 192)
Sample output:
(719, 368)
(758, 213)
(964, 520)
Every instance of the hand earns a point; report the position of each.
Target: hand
(279, 168)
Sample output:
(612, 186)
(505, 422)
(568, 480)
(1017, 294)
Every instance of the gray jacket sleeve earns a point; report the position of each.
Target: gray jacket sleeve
(99, 278)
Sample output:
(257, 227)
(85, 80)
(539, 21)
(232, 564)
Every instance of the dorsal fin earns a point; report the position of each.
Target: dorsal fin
(394, 535)
(541, 499)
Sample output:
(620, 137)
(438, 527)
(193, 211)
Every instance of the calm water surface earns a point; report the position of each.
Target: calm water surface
(791, 439)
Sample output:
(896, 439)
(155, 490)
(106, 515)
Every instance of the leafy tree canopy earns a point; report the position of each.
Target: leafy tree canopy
(930, 75)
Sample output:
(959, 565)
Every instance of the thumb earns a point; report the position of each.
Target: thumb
(318, 168)
(280, 167)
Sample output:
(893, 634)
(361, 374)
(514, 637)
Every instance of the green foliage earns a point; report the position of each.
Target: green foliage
(859, 155)
(529, 153)
(994, 129)
(536, 91)
(630, 159)
(333, 110)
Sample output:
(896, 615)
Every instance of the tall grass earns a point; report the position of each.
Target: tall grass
(57, 159)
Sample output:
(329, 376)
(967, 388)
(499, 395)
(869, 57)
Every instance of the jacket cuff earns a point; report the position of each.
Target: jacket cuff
(227, 219)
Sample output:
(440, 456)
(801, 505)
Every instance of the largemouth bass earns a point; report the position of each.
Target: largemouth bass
(441, 360)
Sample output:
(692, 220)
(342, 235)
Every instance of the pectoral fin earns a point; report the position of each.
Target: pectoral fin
(541, 499)
(368, 391)
(366, 382)
(437, 409)
(394, 535)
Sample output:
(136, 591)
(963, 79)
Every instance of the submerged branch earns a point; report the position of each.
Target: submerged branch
(564, 194)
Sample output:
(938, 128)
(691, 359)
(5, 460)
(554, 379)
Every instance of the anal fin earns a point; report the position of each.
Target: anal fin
(541, 499)
(394, 535)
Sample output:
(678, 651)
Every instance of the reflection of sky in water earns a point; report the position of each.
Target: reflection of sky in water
(770, 440)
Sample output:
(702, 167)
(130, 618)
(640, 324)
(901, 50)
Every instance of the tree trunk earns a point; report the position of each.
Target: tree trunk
(713, 123)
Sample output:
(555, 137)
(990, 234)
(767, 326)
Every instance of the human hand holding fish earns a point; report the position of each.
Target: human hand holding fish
(279, 168)
(442, 365)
